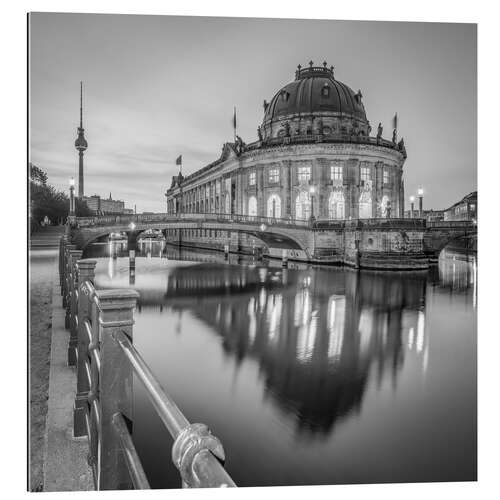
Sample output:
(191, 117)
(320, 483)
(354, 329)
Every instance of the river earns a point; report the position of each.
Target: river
(308, 375)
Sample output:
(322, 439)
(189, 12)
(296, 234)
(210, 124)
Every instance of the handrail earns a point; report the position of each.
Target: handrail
(100, 322)
(180, 429)
(134, 464)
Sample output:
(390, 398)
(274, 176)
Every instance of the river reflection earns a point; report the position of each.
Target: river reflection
(308, 375)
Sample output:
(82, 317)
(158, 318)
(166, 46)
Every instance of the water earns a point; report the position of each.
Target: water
(308, 375)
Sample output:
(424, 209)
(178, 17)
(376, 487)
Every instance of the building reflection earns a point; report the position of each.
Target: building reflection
(318, 338)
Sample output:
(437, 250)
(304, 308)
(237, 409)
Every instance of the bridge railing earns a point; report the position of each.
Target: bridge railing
(319, 223)
(106, 360)
(452, 224)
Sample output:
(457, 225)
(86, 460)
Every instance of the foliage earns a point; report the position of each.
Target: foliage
(37, 175)
(46, 200)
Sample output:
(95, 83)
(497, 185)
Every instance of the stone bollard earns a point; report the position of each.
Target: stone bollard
(86, 312)
(116, 314)
(284, 258)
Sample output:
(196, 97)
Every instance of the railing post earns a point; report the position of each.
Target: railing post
(86, 272)
(116, 314)
(66, 270)
(75, 255)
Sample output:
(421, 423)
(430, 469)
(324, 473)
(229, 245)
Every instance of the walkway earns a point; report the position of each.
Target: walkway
(53, 460)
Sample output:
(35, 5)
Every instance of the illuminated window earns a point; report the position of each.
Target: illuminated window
(336, 205)
(304, 173)
(303, 206)
(274, 206)
(386, 177)
(336, 173)
(252, 206)
(274, 175)
(251, 179)
(365, 174)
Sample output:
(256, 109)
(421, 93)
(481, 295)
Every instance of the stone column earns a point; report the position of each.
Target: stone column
(116, 314)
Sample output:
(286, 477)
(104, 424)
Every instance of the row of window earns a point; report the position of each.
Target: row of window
(304, 174)
(336, 206)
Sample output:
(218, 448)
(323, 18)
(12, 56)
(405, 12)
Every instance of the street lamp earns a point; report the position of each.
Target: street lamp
(412, 206)
(312, 190)
(72, 197)
(420, 193)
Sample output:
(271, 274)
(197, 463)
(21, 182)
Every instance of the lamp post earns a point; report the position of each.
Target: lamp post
(72, 216)
(420, 193)
(412, 206)
(312, 190)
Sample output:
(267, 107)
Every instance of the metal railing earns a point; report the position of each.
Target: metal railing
(316, 223)
(101, 347)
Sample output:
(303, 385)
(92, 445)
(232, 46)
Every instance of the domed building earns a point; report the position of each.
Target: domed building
(315, 159)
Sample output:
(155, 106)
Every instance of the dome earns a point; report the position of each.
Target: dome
(315, 90)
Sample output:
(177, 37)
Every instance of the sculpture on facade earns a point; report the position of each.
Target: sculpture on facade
(240, 145)
(259, 133)
(394, 136)
(380, 129)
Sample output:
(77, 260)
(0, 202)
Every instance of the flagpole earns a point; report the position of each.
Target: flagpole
(234, 124)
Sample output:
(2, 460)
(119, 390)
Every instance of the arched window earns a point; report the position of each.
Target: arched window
(383, 205)
(336, 205)
(252, 206)
(274, 206)
(365, 205)
(303, 206)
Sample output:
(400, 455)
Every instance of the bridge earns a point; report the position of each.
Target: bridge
(387, 243)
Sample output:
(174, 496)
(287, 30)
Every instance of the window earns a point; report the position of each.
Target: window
(304, 173)
(274, 175)
(303, 206)
(251, 179)
(365, 205)
(365, 174)
(325, 91)
(336, 205)
(274, 206)
(386, 177)
(336, 172)
(252, 206)
(384, 205)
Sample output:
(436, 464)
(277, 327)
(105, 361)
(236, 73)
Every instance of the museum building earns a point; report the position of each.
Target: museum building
(315, 159)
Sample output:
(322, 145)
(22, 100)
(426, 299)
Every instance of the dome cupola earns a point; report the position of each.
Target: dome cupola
(315, 95)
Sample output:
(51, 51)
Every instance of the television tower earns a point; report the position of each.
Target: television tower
(81, 146)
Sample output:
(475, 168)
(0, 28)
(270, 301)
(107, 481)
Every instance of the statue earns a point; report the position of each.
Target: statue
(401, 144)
(259, 133)
(287, 129)
(380, 129)
(320, 126)
(240, 145)
(394, 136)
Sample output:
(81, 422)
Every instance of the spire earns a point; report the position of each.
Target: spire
(81, 104)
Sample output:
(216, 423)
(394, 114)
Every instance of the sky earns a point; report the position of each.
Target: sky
(156, 87)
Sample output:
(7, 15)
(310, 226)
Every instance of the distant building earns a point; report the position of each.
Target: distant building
(465, 209)
(107, 206)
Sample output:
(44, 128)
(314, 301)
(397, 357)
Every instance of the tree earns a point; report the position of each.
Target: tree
(37, 175)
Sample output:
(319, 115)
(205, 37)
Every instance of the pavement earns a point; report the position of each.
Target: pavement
(63, 458)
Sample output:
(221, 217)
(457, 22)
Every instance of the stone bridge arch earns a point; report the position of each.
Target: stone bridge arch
(439, 235)
(274, 236)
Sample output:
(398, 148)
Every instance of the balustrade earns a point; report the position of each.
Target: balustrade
(101, 349)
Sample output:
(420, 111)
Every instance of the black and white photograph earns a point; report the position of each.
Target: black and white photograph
(252, 251)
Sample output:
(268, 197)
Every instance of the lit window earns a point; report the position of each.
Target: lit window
(251, 179)
(304, 173)
(336, 173)
(274, 175)
(386, 177)
(365, 174)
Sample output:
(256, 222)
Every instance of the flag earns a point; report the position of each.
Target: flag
(395, 121)
(178, 161)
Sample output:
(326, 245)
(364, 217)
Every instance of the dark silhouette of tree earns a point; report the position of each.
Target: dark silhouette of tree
(47, 201)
